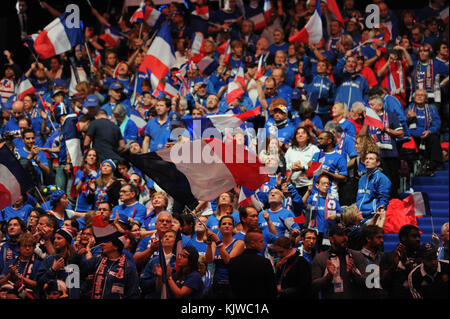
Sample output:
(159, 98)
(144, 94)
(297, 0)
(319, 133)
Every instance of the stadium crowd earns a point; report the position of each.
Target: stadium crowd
(303, 236)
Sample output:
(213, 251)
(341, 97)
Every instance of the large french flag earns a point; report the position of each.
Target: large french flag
(25, 87)
(372, 118)
(137, 119)
(201, 169)
(222, 122)
(57, 38)
(160, 56)
(417, 204)
(14, 179)
(312, 31)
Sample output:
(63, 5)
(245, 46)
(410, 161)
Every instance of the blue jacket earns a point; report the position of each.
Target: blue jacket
(148, 278)
(321, 93)
(373, 191)
(393, 105)
(351, 88)
(420, 121)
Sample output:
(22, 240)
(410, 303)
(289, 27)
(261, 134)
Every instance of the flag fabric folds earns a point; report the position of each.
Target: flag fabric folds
(201, 169)
(58, 37)
(312, 31)
(372, 118)
(25, 87)
(14, 179)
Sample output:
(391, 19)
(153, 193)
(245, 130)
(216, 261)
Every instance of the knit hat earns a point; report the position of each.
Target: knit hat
(56, 196)
(110, 162)
(67, 233)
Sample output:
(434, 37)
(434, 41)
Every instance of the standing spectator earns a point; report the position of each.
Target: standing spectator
(298, 156)
(373, 188)
(159, 202)
(395, 266)
(339, 273)
(308, 249)
(386, 141)
(251, 275)
(9, 249)
(105, 137)
(224, 208)
(424, 124)
(115, 96)
(220, 252)
(351, 86)
(106, 187)
(293, 272)
(158, 129)
(90, 172)
(187, 282)
(429, 279)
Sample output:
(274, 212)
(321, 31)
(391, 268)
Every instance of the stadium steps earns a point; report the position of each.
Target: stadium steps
(437, 188)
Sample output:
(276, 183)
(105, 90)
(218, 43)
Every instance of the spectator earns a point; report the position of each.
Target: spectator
(373, 188)
(395, 266)
(293, 272)
(105, 137)
(89, 173)
(131, 209)
(308, 249)
(427, 280)
(224, 208)
(159, 202)
(128, 128)
(340, 272)
(251, 274)
(339, 113)
(157, 132)
(443, 251)
(106, 187)
(424, 124)
(9, 249)
(220, 252)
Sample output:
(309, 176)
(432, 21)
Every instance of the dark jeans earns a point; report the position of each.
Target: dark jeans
(391, 167)
(433, 151)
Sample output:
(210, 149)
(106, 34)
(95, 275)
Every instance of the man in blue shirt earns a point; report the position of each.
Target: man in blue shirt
(157, 132)
(115, 97)
(279, 44)
(32, 152)
(131, 208)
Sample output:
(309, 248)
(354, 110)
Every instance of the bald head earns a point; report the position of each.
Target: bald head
(18, 109)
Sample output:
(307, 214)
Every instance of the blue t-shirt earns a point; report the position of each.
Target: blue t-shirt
(275, 218)
(319, 217)
(193, 281)
(213, 222)
(82, 204)
(334, 163)
(10, 212)
(159, 133)
(136, 211)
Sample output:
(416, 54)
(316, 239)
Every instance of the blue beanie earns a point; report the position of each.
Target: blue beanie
(110, 162)
(56, 196)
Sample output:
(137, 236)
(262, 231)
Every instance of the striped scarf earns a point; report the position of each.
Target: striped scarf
(101, 274)
(427, 116)
(383, 139)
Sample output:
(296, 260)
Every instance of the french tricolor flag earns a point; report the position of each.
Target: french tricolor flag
(312, 31)
(316, 166)
(72, 137)
(137, 119)
(111, 36)
(260, 70)
(444, 15)
(57, 38)
(151, 15)
(14, 179)
(372, 118)
(138, 16)
(205, 64)
(221, 122)
(160, 56)
(240, 75)
(104, 231)
(268, 9)
(202, 12)
(225, 51)
(234, 91)
(201, 169)
(25, 87)
(198, 44)
(259, 21)
(417, 204)
(334, 9)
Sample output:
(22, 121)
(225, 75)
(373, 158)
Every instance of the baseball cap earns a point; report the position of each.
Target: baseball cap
(115, 86)
(428, 251)
(57, 92)
(338, 229)
(58, 83)
(296, 94)
(91, 101)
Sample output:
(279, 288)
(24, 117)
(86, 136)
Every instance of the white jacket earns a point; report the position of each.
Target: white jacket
(305, 155)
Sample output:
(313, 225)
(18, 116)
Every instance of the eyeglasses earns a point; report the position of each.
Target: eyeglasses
(165, 221)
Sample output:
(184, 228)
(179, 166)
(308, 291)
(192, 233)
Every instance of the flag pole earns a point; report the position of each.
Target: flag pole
(432, 225)
(42, 197)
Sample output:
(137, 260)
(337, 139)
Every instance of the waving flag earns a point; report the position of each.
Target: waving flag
(14, 179)
(417, 204)
(137, 119)
(25, 87)
(104, 231)
(138, 16)
(202, 12)
(268, 9)
(198, 44)
(372, 119)
(312, 31)
(444, 15)
(225, 51)
(201, 169)
(222, 122)
(334, 9)
(205, 64)
(234, 92)
(316, 166)
(112, 36)
(152, 16)
(259, 21)
(240, 75)
(57, 38)
(160, 56)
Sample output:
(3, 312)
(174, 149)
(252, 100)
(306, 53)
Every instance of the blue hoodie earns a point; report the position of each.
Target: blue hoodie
(373, 191)
(321, 93)
(351, 88)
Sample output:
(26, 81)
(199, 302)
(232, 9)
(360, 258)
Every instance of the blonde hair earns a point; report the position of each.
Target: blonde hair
(349, 215)
(368, 145)
(343, 106)
(164, 195)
